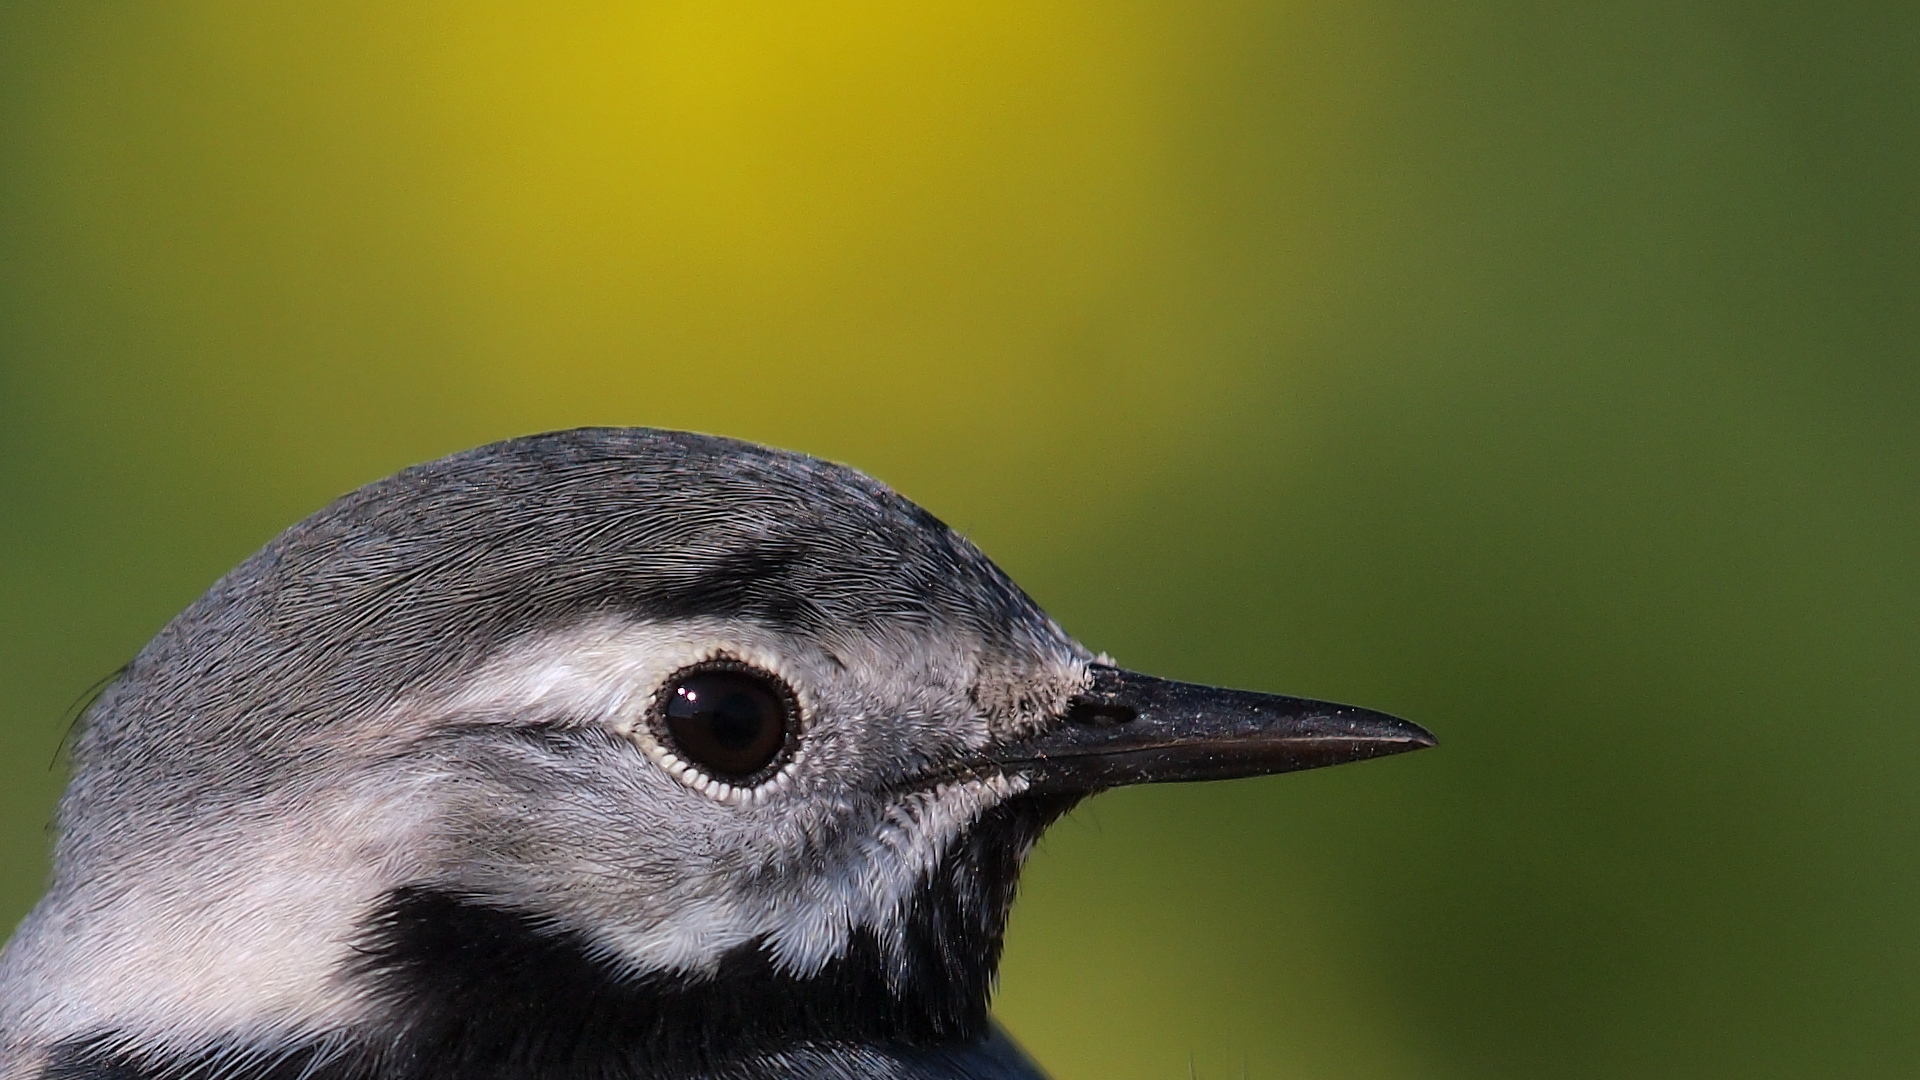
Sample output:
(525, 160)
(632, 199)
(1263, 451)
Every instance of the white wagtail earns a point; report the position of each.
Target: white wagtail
(595, 755)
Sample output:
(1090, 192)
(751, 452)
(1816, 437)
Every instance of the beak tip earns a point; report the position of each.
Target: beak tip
(1399, 736)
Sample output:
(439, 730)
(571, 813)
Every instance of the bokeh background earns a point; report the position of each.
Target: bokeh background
(1545, 373)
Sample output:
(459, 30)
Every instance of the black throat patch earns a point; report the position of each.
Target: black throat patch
(473, 991)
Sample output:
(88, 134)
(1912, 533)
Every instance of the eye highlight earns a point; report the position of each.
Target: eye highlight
(728, 719)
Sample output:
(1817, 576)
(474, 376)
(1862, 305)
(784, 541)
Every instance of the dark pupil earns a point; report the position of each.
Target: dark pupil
(727, 722)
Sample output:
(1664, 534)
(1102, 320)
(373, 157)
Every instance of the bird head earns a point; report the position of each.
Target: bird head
(622, 752)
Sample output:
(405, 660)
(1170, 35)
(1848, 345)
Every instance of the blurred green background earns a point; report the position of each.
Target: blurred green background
(1543, 373)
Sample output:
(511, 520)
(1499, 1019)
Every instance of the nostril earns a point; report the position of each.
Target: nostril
(1100, 714)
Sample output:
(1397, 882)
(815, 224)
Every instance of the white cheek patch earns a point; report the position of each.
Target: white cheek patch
(877, 877)
(865, 860)
(808, 920)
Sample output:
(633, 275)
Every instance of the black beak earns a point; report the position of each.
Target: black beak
(1127, 728)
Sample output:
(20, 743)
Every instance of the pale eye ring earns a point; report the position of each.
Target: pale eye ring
(730, 720)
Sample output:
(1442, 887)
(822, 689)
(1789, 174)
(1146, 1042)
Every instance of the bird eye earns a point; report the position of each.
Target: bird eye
(727, 718)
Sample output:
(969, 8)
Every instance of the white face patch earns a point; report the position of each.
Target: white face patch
(831, 844)
(806, 922)
(245, 926)
(872, 888)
